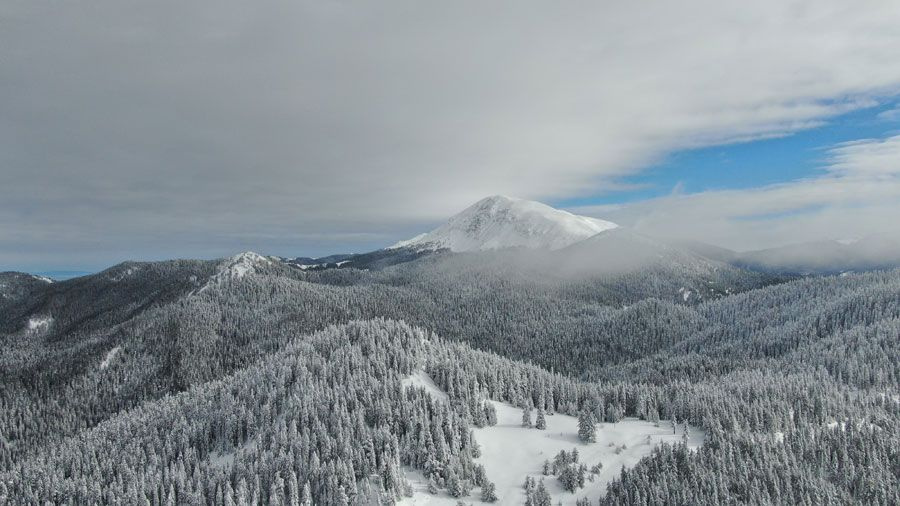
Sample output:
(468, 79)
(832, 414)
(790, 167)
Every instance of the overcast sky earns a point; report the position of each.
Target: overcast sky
(156, 129)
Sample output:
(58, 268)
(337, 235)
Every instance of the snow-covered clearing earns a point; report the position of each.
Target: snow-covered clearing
(110, 355)
(511, 452)
(422, 379)
(39, 323)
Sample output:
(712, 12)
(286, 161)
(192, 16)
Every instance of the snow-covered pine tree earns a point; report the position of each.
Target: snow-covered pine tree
(488, 491)
(586, 429)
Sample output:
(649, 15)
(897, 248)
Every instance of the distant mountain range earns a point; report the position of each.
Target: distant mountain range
(499, 223)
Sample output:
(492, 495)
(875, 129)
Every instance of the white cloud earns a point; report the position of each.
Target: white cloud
(857, 194)
(867, 158)
(890, 114)
(201, 123)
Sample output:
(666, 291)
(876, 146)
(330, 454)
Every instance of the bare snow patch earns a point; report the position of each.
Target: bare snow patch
(423, 380)
(39, 323)
(510, 452)
(221, 460)
(125, 273)
(110, 355)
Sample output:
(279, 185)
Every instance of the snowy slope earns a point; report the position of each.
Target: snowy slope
(504, 222)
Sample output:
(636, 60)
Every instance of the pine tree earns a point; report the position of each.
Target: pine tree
(475, 447)
(228, 499)
(526, 416)
(307, 495)
(242, 494)
(541, 422)
(294, 497)
(341, 499)
(488, 491)
(541, 496)
(276, 491)
(433, 487)
(615, 414)
(586, 430)
(454, 484)
(490, 413)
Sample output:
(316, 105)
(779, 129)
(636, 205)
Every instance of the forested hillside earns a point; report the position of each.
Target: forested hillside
(225, 380)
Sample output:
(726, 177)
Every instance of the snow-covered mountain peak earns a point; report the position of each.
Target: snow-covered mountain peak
(505, 222)
(237, 267)
(243, 263)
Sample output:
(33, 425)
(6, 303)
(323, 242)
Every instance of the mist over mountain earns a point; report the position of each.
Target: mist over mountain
(818, 257)
(500, 222)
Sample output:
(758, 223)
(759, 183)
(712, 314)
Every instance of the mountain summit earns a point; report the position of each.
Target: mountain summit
(504, 222)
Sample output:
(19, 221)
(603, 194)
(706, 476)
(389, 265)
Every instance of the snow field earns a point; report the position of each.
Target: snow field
(510, 452)
(39, 323)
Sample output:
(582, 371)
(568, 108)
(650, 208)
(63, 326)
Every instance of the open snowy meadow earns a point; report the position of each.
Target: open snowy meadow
(511, 452)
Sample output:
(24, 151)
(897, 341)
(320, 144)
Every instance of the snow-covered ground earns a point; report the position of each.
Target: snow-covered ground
(110, 355)
(39, 323)
(511, 452)
(423, 380)
(119, 276)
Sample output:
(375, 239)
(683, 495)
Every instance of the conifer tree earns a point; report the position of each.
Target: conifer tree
(541, 495)
(488, 491)
(526, 416)
(586, 429)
